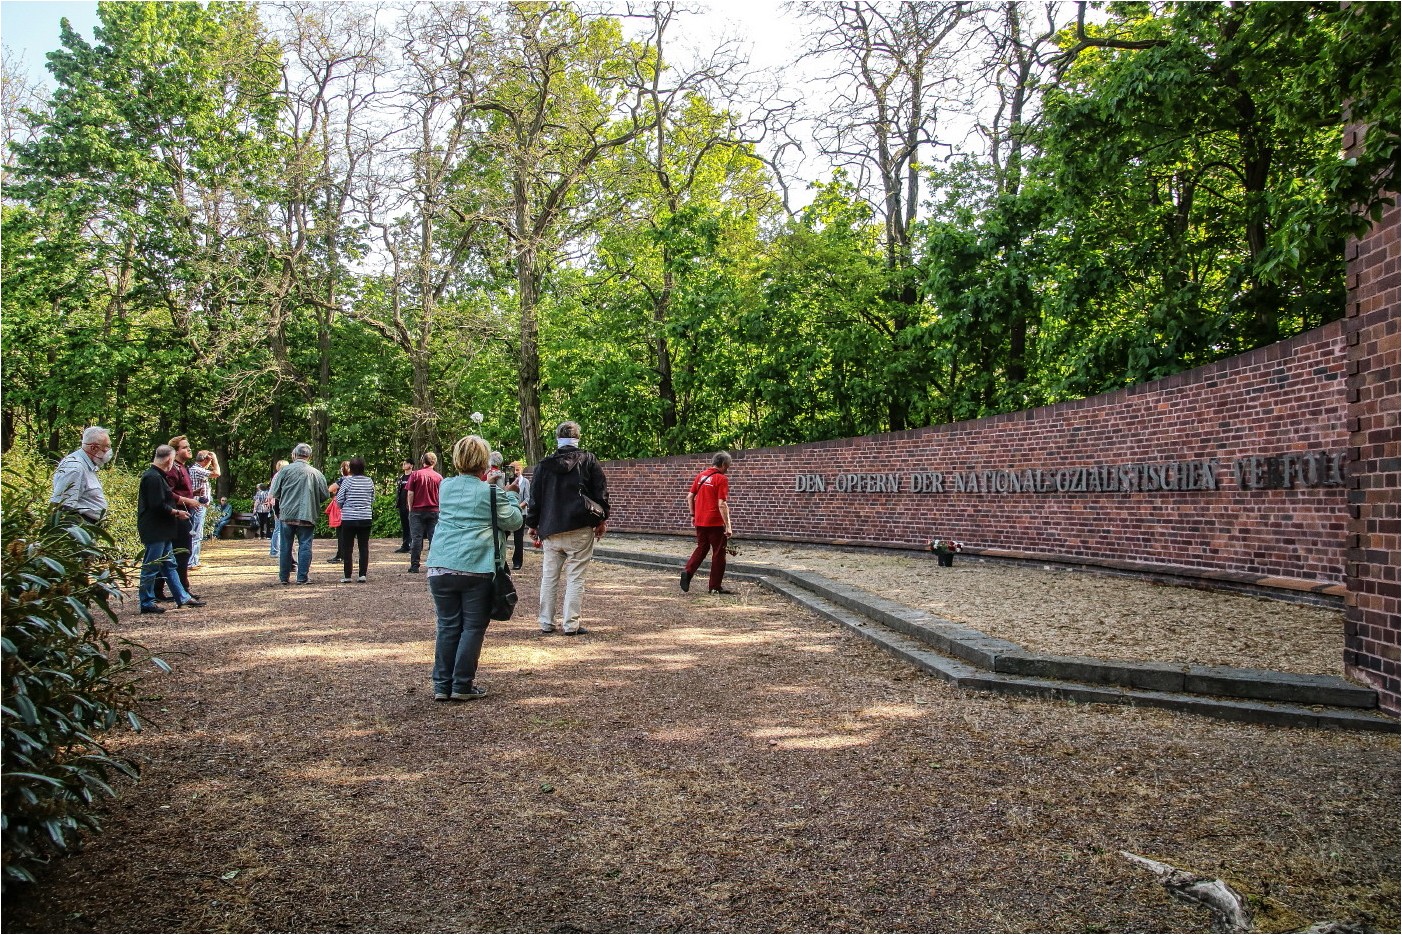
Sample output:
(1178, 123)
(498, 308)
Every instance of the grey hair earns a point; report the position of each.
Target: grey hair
(302, 450)
(162, 451)
(494, 459)
(567, 430)
(93, 432)
(721, 459)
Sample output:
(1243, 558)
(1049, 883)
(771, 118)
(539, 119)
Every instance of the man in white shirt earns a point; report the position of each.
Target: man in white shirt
(77, 488)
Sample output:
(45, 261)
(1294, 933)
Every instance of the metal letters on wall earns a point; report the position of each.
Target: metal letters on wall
(1254, 472)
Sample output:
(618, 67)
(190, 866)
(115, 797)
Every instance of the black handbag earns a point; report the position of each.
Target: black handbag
(591, 507)
(503, 588)
(590, 511)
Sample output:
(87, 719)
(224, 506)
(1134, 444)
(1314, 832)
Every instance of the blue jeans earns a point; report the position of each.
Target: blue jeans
(159, 560)
(463, 604)
(196, 535)
(303, 535)
(275, 538)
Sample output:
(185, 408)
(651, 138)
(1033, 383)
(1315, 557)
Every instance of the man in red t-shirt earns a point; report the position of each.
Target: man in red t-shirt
(422, 492)
(707, 503)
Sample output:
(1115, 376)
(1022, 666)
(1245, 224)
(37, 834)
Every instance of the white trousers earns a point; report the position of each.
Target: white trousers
(567, 555)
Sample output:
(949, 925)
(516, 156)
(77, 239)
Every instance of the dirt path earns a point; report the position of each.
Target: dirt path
(696, 763)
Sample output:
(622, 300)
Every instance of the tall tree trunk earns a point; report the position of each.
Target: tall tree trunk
(528, 383)
(666, 390)
(424, 429)
(321, 415)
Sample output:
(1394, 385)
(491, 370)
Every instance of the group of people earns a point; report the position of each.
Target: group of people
(172, 497)
(466, 519)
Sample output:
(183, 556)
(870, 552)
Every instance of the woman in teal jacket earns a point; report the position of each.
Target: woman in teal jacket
(460, 564)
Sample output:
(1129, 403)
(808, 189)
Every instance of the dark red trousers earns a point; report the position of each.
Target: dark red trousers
(713, 538)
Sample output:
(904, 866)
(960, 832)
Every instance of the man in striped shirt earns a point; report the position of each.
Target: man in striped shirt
(204, 470)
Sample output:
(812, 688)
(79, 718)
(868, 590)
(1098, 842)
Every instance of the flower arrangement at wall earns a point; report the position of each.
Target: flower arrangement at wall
(944, 550)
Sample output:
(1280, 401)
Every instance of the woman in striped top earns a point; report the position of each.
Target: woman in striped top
(356, 497)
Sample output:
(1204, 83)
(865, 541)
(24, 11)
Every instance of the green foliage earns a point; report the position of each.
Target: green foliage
(384, 520)
(1187, 176)
(65, 684)
(179, 258)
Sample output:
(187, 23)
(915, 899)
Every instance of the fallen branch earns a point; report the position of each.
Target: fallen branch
(1228, 908)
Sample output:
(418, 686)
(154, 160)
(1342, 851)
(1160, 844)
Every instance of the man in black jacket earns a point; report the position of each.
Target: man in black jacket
(567, 513)
(401, 503)
(159, 520)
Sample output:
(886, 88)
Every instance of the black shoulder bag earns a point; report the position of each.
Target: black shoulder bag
(503, 588)
(590, 511)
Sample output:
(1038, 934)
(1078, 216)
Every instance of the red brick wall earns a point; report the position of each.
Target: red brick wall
(1373, 553)
(1288, 398)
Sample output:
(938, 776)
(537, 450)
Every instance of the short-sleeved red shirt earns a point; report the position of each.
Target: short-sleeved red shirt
(423, 484)
(710, 487)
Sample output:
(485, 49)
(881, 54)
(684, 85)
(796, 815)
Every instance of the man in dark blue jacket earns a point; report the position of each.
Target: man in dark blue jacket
(159, 520)
(567, 514)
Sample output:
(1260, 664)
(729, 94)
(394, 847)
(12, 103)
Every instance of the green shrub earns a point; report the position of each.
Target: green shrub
(64, 685)
(384, 520)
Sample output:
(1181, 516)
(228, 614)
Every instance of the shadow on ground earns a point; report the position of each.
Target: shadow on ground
(695, 763)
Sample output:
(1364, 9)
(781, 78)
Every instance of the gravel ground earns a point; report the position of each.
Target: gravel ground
(1072, 612)
(695, 763)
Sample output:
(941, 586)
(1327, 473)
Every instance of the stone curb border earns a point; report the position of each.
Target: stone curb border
(973, 659)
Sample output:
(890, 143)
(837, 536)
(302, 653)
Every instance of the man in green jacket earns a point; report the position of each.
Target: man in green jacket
(299, 490)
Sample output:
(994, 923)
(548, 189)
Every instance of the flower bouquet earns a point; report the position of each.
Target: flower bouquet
(944, 550)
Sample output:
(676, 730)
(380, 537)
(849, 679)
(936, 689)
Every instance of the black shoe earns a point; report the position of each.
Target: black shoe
(402, 548)
(153, 609)
(575, 632)
(193, 596)
(472, 694)
(721, 591)
(686, 581)
(163, 599)
(333, 559)
(412, 570)
(515, 567)
(193, 602)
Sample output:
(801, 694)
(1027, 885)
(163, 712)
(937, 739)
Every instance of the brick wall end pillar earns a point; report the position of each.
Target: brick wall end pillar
(1373, 608)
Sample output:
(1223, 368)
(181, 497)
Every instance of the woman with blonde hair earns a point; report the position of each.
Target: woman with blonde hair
(461, 563)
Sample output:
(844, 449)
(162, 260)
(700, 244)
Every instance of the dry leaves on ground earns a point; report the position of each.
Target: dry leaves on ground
(696, 763)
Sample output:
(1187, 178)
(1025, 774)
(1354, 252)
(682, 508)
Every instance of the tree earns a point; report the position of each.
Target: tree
(897, 70)
(558, 90)
(1187, 150)
(690, 195)
(332, 66)
(141, 180)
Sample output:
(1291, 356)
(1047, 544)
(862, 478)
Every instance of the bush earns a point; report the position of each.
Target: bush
(384, 520)
(64, 684)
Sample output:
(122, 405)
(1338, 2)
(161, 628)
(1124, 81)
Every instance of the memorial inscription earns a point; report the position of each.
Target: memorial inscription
(1255, 472)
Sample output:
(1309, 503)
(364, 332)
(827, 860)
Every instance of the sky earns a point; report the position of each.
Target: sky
(29, 28)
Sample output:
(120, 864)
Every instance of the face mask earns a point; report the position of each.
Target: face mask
(106, 456)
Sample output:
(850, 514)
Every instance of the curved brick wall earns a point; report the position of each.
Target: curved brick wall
(1288, 399)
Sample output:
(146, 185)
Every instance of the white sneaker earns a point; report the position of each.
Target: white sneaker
(361, 579)
(345, 581)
